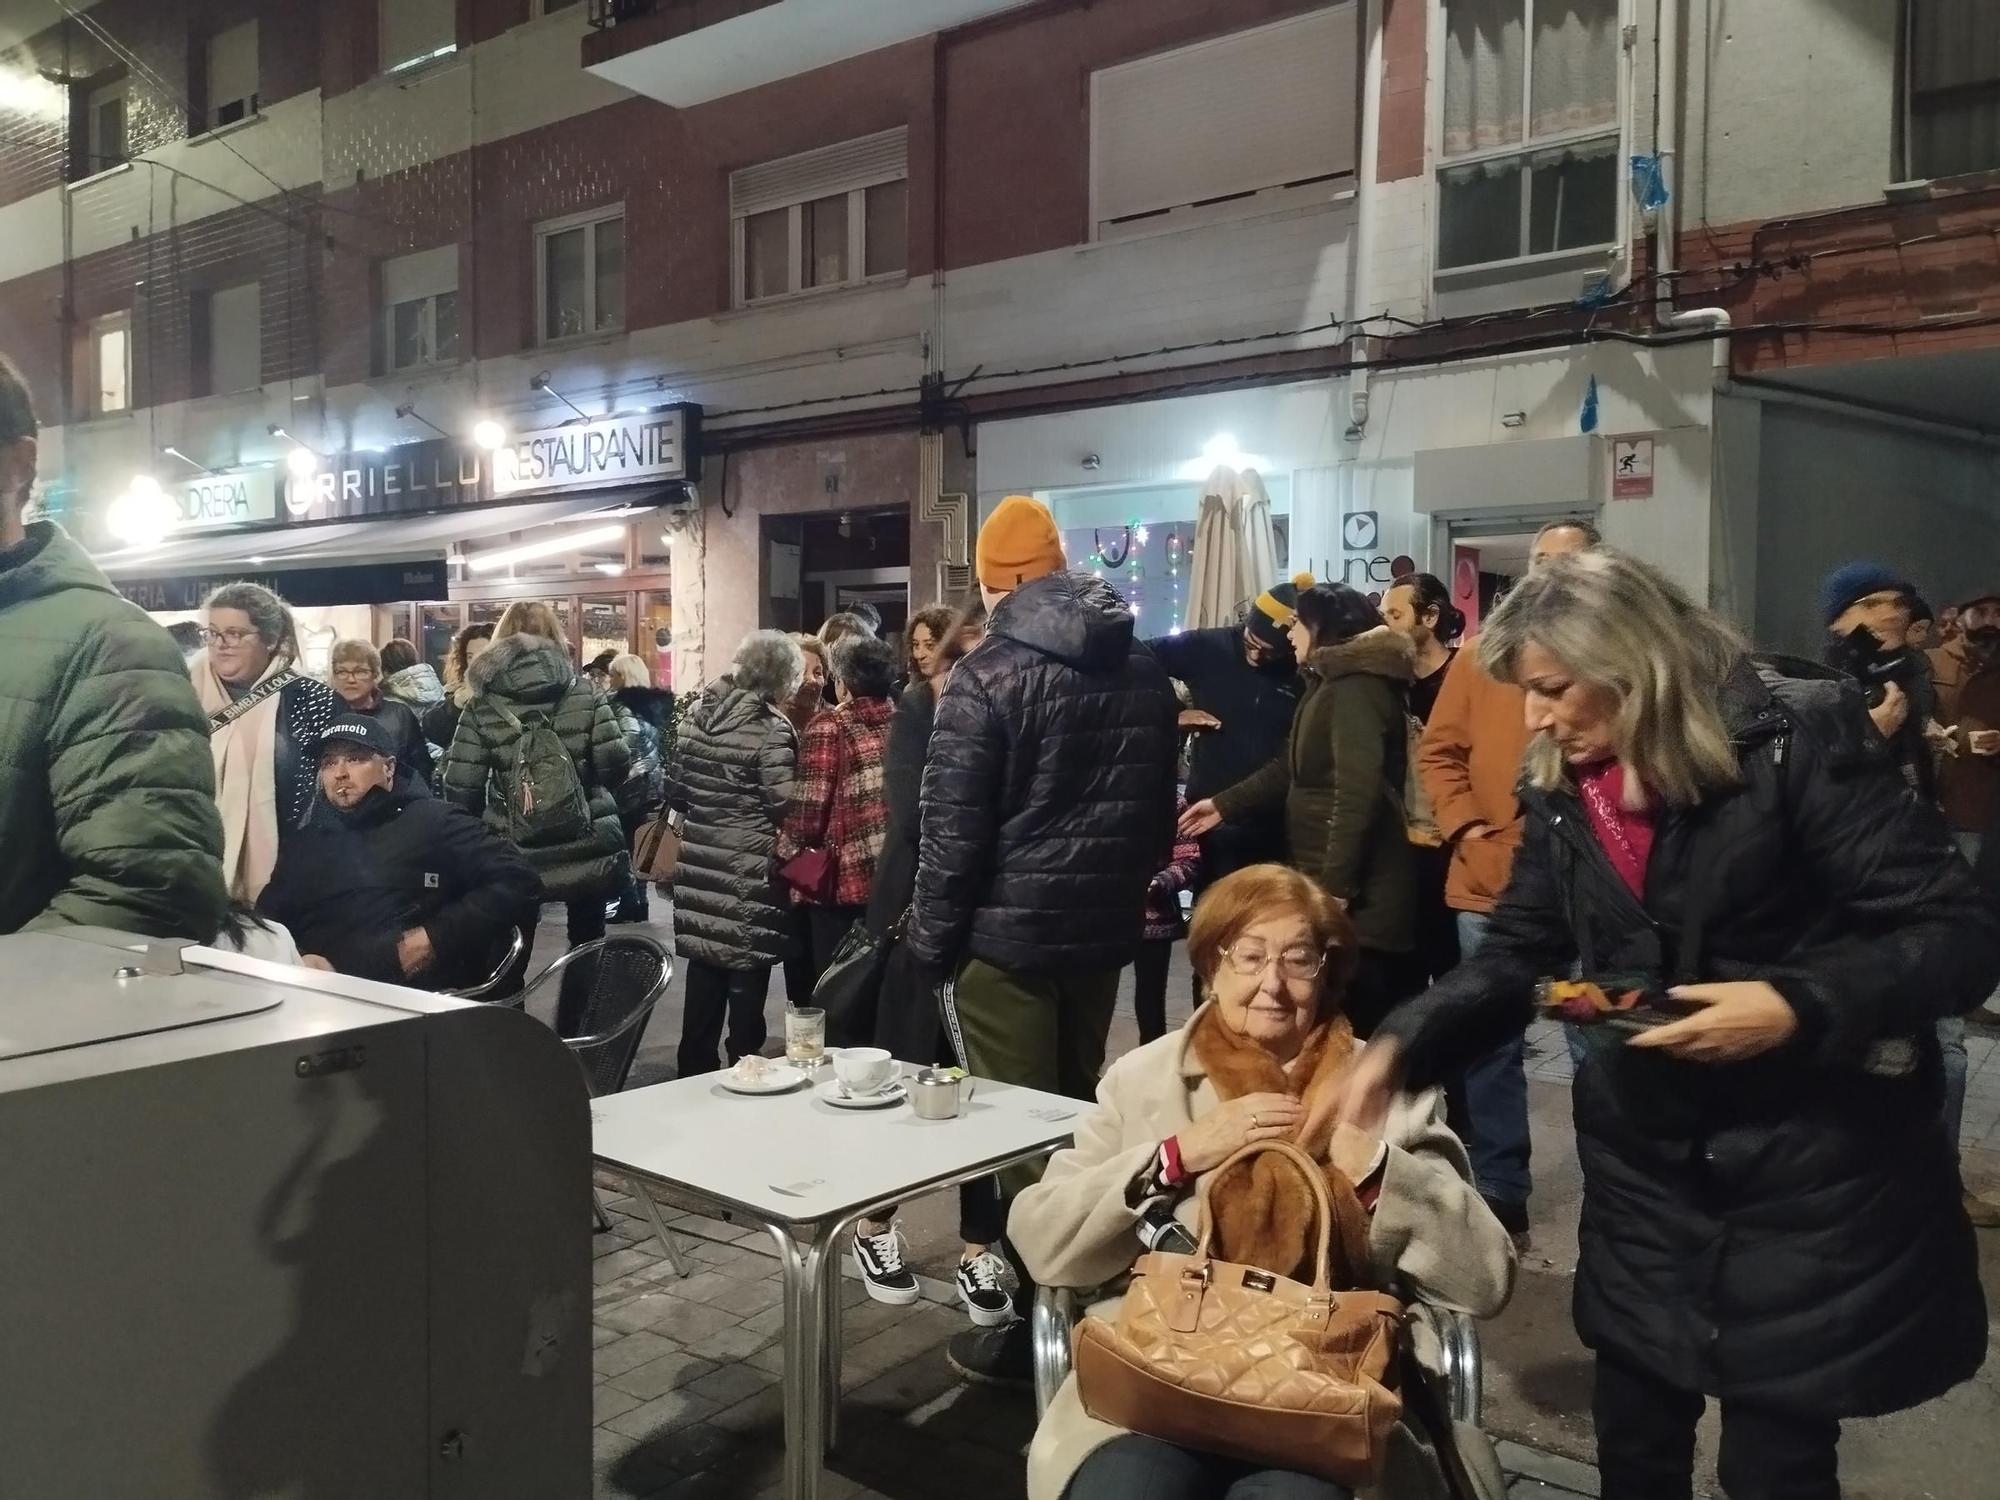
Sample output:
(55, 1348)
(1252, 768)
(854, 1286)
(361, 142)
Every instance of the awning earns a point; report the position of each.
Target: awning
(331, 543)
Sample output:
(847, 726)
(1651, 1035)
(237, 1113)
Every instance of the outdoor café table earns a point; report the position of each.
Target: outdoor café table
(806, 1171)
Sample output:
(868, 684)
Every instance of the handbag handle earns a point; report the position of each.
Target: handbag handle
(1337, 1209)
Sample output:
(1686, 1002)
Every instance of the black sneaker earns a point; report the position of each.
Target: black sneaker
(982, 1288)
(879, 1258)
(994, 1356)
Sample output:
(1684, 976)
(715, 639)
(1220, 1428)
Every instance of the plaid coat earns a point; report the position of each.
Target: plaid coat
(851, 818)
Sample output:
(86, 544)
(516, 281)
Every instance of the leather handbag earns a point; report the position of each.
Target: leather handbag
(1238, 1361)
(850, 986)
(814, 872)
(656, 850)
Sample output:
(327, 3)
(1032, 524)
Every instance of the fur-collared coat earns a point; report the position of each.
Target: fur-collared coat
(1340, 781)
(1431, 1237)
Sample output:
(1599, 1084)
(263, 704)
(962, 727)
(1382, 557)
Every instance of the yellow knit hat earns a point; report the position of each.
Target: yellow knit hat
(1018, 544)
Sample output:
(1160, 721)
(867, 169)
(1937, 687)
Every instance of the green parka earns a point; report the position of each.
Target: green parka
(107, 789)
(531, 675)
(1340, 780)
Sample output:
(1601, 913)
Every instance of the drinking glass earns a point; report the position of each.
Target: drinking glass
(805, 1036)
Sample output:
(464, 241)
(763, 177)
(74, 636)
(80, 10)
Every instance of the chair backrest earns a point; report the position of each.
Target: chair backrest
(609, 989)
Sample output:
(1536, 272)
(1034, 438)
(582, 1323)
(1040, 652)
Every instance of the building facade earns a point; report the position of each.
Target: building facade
(1436, 269)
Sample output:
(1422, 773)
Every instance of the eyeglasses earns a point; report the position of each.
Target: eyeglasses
(354, 670)
(227, 637)
(1251, 959)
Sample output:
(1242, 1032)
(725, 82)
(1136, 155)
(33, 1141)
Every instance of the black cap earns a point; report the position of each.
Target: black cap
(358, 729)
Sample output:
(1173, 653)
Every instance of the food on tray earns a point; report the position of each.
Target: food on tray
(752, 1069)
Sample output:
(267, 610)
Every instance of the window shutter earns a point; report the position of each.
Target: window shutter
(232, 72)
(423, 274)
(1252, 110)
(236, 338)
(416, 28)
(819, 174)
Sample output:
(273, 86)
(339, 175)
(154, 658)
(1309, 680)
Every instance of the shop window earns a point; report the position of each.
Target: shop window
(420, 309)
(105, 365)
(838, 216)
(231, 76)
(580, 276)
(1241, 124)
(1529, 151)
(228, 340)
(1952, 83)
(414, 32)
(104, 127)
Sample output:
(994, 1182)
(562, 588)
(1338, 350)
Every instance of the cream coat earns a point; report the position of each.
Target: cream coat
(1432, 1238)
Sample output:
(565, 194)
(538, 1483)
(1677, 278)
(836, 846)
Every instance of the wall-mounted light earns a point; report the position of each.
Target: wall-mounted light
(540, 382)
(143, 514)
(408, 412)
(1221, 452)
(304, 462)
(1513, 419)
(173, 452)
(489, 435)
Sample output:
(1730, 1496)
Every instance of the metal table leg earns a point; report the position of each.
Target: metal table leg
(803, 1263)
(829, 1293)
(637, 1189)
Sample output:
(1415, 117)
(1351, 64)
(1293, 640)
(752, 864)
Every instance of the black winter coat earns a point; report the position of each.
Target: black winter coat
(349, 885)
(1048, 800)
(305, 707)
(1786, 1230)
(731, 777)
(1255, 705)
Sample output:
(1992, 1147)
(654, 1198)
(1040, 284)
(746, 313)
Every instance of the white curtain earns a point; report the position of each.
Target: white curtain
(1953, 43)
(1573, 71)
(1573, 66)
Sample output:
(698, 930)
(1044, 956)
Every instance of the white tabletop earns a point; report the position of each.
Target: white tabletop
(793, 1159)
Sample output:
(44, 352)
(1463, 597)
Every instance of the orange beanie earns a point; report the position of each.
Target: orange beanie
(1018, 544)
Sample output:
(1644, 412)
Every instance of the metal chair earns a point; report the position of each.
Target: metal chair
(1056, 1311)
(517, 944)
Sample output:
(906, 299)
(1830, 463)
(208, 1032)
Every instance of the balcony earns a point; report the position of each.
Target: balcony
(685, 52)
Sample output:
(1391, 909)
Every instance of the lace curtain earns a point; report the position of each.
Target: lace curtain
(1571, 71)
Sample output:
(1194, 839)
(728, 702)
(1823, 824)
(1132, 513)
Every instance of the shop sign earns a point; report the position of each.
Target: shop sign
(308, 588)
(648, 447)
(417, 477)
(216, 500)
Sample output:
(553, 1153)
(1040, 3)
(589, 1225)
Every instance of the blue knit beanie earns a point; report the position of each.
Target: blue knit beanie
(1855, 580)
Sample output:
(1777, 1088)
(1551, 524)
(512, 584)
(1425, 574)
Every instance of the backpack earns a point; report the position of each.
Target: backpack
(540, 797)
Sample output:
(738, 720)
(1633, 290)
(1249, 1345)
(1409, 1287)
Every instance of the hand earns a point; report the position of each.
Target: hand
(414, 951)
(1943, 738)
(1361, 1100)
(1199, 818)
(314, 961)
(1477, 833)
(1218, 1135)
(1196, 719)
(1735, 1021)
(1353, 1152)
(1984, 741)
(1890, 713)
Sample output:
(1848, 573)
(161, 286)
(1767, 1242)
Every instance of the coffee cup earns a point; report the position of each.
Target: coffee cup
(864, 1070)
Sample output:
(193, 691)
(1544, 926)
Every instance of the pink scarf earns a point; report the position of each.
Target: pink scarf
(1625, 834)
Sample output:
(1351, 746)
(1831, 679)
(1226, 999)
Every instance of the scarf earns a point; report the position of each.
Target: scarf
(1264, 1216)
(1624, 834)
(246, 780)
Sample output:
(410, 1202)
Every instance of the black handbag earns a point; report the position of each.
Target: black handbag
(849, 988)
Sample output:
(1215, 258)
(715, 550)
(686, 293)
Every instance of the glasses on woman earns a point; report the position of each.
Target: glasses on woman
(1249, 960)
(354, 672)
(227, 637)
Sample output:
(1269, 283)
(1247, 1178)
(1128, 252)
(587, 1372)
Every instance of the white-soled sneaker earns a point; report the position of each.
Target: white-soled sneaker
(982, 1288)
(879, 1258)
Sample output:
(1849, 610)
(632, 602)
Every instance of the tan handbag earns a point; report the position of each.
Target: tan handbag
(656, 850)
(1238, 1361)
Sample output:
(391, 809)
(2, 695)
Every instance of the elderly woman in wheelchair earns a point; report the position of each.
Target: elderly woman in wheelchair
(1165, 1154)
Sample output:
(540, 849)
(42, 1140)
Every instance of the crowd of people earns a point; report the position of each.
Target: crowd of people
(1379, 841)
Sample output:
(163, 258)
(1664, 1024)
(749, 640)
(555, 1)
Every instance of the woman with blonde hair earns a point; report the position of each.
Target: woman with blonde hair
(356, 669)
(525, 683)
(1771, 1215)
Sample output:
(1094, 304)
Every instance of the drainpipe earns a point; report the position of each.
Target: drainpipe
(1364, 228)
(1667, 223)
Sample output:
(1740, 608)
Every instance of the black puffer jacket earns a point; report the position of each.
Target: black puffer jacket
(1785, 1230)
(1049, 796)
(732, 779)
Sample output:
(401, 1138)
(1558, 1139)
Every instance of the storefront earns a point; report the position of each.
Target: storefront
(421, 539)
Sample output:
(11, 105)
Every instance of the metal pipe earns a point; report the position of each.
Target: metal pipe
(1364, 226)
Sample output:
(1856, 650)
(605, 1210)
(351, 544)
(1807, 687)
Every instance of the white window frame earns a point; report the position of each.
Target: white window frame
(426, 301)
(121, 90)
(1621, 129)
(94, 335)
(588, 221)
(855, 189)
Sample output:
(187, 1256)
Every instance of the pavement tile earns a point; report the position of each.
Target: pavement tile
(667, 1373)
(730, 1383)
(918, 1334)
(696, 1446)
(747, 1297)
(620, 1262)
(771, 1320)
(607, 1401)
(663, 1414)
(630, 1352)
(706, 1286)
(765, 1410)
(736, 1342)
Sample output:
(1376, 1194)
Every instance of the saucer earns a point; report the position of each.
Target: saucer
(830, 1091)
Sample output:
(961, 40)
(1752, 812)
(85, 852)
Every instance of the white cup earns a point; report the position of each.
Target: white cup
(863, 1070)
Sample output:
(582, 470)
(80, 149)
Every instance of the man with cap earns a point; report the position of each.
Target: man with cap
(1048, 803)
(1868, 608)
(387, 882)
(1244, 686)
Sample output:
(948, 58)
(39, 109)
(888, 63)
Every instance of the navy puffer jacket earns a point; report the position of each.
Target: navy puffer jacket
(1048, 799)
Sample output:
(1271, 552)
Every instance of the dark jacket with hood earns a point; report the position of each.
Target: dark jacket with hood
(1340, 782)
(1785, 1230)
(1048, 799)
(349, 885)
(643, 715)
(107, 788)
(731, 778)
(531, 676)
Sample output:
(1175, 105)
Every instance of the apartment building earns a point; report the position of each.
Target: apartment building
(692, 317)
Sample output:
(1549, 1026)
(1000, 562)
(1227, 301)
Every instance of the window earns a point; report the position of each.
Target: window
(420, 309)
(104, 120)
(1953, 88)
(107, 365)
(1530, 144)
(232, 76)
(229, 340)
(415, 31)
(550, 7)
(827, 218)
(1246, 122)
(580, 276)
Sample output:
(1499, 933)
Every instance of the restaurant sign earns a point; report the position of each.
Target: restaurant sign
(647, 447)
(361, 583)
(217, 500)
(416, 477)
